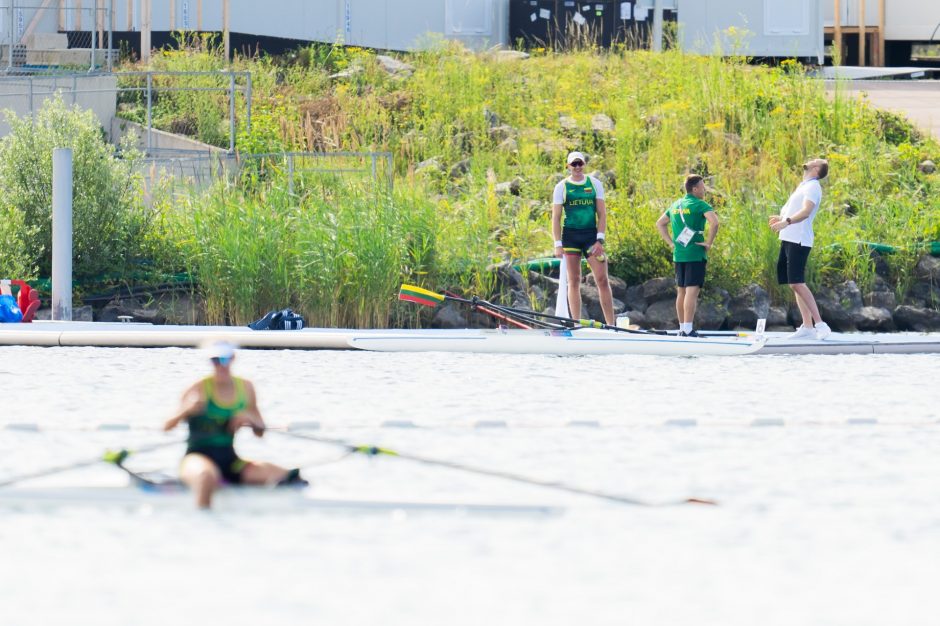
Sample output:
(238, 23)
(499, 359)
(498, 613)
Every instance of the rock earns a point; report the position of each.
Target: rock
(511, 55)
(601, 123)
(567, 123)
(874, 319)
(928, 269)
(448, 315)
(776, 316)
(553, 150)
(662, 315)
(882, 299)
(502, 132)
(839, 305)
(882, 269)
(431, 165)
(460, 169)
(633, 298)
(508, 145)
(554, 179)
(509, 277)
(636, 317)
(618, 287)
(349, 72)
(609, 178)
(924, 295)
(492, 119)
(927, 167)
(916, 318)
(83, 314)
(395, 67)
(657, 289)
(749, 305)
(710, 315)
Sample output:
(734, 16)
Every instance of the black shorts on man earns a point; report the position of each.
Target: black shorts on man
(791, 263)
(578, 240)
(690, 273)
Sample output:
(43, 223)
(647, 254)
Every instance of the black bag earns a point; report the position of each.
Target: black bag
(284, 319)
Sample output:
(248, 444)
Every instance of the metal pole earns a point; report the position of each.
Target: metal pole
(290, 174)
(62, 234)
(110, 35)
(10, 50)
(658, 26)
(248, 102)
(149, 112)
(94, 36)
(231, 111)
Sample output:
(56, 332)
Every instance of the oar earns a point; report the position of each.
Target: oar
(412, 293)
(375, 451)
(107, 457)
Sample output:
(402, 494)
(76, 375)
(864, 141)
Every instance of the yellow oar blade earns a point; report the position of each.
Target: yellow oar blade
(412, 293)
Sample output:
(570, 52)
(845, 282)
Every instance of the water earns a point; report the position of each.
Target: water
(823, 520)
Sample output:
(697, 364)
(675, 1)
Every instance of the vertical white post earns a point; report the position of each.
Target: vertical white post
(62, 234)
(658, 26)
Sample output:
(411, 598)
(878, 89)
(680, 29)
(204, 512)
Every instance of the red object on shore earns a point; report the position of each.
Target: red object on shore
(27, 299)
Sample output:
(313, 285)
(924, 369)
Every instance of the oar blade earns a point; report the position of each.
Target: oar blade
(412, 293)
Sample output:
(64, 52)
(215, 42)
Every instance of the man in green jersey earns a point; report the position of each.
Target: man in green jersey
(581, 199)
(687, 218)
(215, 408)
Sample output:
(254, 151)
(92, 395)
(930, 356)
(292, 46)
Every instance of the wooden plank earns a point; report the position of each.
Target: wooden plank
(225, 30)
(130, 15)
(837, 36)
(172, 15)
(881, 33)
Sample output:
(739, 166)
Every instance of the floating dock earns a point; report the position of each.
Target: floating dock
(133, 335)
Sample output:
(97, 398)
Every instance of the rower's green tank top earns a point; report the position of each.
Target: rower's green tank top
(580, 204)
(210, 429)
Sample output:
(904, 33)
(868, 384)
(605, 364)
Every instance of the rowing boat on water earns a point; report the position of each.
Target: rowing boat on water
(553, 341)
(253, 499)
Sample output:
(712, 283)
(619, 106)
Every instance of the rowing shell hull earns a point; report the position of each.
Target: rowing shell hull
(253, 499)
(577, 342)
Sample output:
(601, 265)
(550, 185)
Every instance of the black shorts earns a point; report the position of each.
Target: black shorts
(578, 240)
(791, 264)
(690, 273)
(229, 464)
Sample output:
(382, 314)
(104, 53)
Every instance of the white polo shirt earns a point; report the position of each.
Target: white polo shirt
(801, 232)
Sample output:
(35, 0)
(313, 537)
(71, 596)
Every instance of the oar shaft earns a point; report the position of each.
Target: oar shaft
(487, 472)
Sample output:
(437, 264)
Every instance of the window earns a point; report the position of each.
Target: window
(786, 18)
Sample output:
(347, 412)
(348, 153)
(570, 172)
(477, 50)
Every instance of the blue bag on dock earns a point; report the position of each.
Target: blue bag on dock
(284, 319)
(9, 312)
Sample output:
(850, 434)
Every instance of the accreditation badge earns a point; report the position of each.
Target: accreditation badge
(685, 236)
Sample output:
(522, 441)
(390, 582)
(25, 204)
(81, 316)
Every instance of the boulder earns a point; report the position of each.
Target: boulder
(749, 305)
(839, 305)
(710, 315)
(460, 169)
(591, 303)
(553, 150)
(448, 315)
(430, 165)
(927, 167)
(510, 278)
(394, 67)
(662, 314)
(883, 299)
(923, 295)
(502, 132)
(636, 317)
(916, 318)
(509, 146)
(928, 269)
(882, 269)
(777, 317)
(874, 319)
(633, 298)
(567, 123)
(618, 286)
(511, 55)
(601, 123)
(657, 289)
(491, 118)
(513, 187)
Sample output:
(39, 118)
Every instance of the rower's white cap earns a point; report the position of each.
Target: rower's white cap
(220, 350)
(574, 156)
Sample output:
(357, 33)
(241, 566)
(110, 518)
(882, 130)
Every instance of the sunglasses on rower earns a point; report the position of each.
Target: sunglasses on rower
(221, 360)
(577, 164)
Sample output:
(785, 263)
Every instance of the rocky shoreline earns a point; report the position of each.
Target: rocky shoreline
(649, 305)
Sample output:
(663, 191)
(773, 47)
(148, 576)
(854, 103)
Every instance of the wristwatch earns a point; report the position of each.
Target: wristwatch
(789, 221)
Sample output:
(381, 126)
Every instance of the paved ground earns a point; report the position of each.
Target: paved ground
(919, 100)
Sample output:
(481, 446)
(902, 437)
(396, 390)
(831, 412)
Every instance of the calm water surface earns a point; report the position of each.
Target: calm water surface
(829, 519)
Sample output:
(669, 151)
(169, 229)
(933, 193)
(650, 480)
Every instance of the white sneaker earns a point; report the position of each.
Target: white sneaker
(803, 332)
(822, 330)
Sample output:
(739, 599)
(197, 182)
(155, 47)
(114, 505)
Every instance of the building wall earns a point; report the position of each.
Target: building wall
(905, 20)
(768, 28)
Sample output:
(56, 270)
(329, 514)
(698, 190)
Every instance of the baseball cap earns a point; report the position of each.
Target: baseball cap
(574, 156)
(220, 350)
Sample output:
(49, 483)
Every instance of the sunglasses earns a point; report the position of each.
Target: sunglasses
(221, 360)
(577, 164)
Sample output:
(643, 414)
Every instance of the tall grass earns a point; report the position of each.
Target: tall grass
(747, 129)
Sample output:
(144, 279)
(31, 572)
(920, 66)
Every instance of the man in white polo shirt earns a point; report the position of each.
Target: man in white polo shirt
(795, 225)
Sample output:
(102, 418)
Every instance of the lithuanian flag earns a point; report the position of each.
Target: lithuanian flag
(412, 293)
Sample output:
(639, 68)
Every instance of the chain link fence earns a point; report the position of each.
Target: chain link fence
(56, 37)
